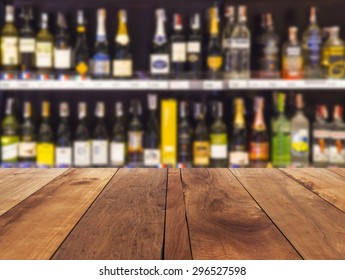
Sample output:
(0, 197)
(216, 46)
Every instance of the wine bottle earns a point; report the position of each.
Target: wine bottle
(194, 47)
(178, 47)
(185, 134)
(118, 142)
(201, 141)
(226, 38)
(292, 65)
(337, 145)
(214, 51)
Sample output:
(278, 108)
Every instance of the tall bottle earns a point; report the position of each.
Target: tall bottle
(81, 53)
(226, 37)
(9, 136)
(194, 47)
(311, 47)
(152, 156)
(100, 139)
(259, 141)
(292, 62)
(337, 145)
(122, 63)
(135, 136)
(159, 58)
(185, 134)
(28, 139)
(45, 141)
(118, 141)
(9, 42)
(239, 156)
(101, 57)
(201, 141)
(281, 135)
(63, 150)
(321, 137)
(178, 47)
(219, 139)
(44, 48)
(82, 139)
(240, 50)
(300, 141)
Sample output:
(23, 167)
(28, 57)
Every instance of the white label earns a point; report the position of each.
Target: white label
(227, 43)
(194, 47)
(117, 153)
(322, 133)
(293, 51)
(27, 45)
(337, 154)
(122, 68)
(27, 149)
(179, 53)
(63, 157)
(82, 153)
(160, 64)
(101, 67)
(99, 152)
(238, 158)
(44, 54)
(151, 157)
(62, 58)
(320, 154)
(219, 151)
(9, 50)
(240, 43)
(338, 135)
(122, 39)
(10, 152)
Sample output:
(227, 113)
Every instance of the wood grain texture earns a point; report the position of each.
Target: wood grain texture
(36, 227)
(225, 222)
(324, 183)
(176, 244)
(313, 226)
(125, 222)
(339, 171)
(18, 184)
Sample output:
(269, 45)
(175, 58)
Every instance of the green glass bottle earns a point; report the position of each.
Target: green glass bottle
(201, 143)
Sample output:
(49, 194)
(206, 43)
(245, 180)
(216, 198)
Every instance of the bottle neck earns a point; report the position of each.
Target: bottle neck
(9, 18)
(101, 32)
(239, 117)
(293, 36)
(122, 33)
(259, 121)
(313, 16)
(214, 28)
(160, 36)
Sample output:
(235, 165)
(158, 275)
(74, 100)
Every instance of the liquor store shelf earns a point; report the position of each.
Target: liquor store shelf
(172, 214)
(164, 85)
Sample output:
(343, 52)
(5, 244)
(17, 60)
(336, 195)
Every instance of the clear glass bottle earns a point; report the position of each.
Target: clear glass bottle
(178, 48)
(226, 37)
(292, 60)
(118, 142)
(337, 145)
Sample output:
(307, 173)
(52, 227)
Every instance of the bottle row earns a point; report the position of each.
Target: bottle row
(173, 139)
(27, 54)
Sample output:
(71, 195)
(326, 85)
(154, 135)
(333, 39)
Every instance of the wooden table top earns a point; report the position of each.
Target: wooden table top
(172, 214)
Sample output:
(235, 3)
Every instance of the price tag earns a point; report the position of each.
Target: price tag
(212, 85)
(137, 84)
(158, 85)
(238, 84)
(179, 85)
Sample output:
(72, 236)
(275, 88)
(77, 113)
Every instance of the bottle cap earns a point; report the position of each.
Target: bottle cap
(299, 101)
(118, 109)
(45, 109)
(27, 111)
(80, 17)
(82, 110)
(338, 112)
(61, 20)
(9, 106)
(160, 13)
(26, 13)
(195, 21)
(64, 110)
(229, 11)
(258, 103)
(178, 21)
(152, 101)
(123, 15)
(321, 112)
(100, 110)
(101, 13)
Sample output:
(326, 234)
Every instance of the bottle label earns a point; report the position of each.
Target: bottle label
(337, 152)
(320, 151)
(63, 157)
(9, 49)
(238, 158)
(9, 148)
(259, 151)
(45, 155)
(27, 149)
(193, 47)
(152, 157)
(201, 152)
(219, 147)
(122, 68)
(269, 59)
(293, 51)
(281, 149)
(101, 64)
(159, 64)
(100, 152)
(300, 142)
(27, 45)
(179, 52)
(184, 150)
(313, 49)
(214, 63)
(117, 153)
(44, 57)
(293, 63)
(82, 68)
(240, 43)
(82, 153)
(62, 58)
(227, 43)
(333, 60)
(135, 141)
(321, 133)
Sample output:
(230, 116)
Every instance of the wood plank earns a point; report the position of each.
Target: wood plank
(176, 243)
(125, 222)
(36, 227)
(226, 223)
(339, 171)
(324, 183)
(18, 184)
(313, 226)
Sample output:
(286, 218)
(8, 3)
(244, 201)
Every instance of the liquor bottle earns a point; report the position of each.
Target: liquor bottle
(135, 136)
(159, 58)
(45, 141)
(281, 135)
(27, 42)
(122, 63)
(268, 44)
(311, 47)
(9, 137)
(300, 141)
(226, 37)
(63, 150)
(185, 133)
(178, 47)
(100, 139)
(81, 53)
(337, 145)
(9, 43)
(62, 47)
(214, 50)
(201, 141)
(321, 137)
(118, 142)
(239, 156)
(292, 62)
(169, 132)
(240, 49)
(333, 55)
(101, 58)
(28, 139)
(194, 47)
(219, 139)
(151, 135)
(82, 139)
(44, 47)
(259, 141)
